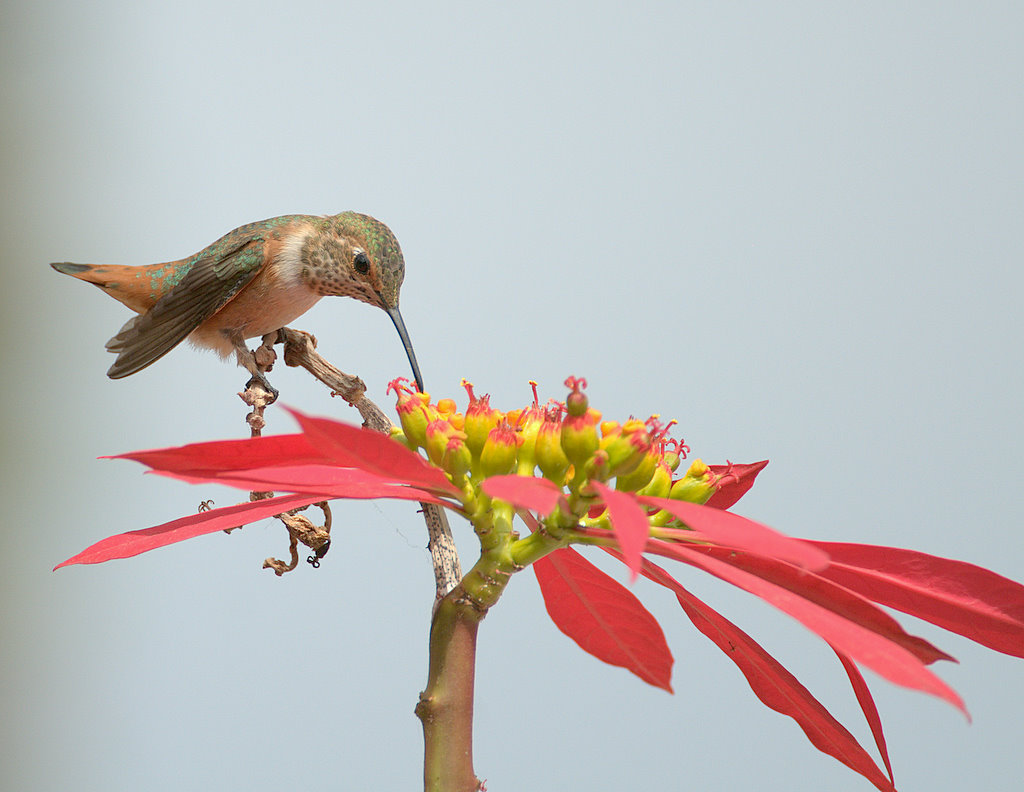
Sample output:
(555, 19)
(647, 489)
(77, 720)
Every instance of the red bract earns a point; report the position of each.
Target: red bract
(349, 446)
(324, 480)
(959, 597)
(535, 494)
(592, 495)
(329, 460)
(704, 523)
(134, 542)
(733, 482)
(629, 522)
(867, 706)
(603, 616)
(864, 642)
(775, 686)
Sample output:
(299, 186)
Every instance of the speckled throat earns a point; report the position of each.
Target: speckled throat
(334, 248)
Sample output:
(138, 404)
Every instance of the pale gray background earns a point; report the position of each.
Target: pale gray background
(794, 227)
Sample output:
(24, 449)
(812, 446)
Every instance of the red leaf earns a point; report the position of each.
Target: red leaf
(327, 481)
(349, 446)
(735, 481)
(957, 596)
(223, 455)
(838, 599)
(776, 687)
(867, 706)
(603, 616)
(134, 542)
(629, 523)
(524, 492)
(726, 528)
(878, 652)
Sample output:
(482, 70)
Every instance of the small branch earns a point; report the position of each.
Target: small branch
(443, 555)
(255, 394)
(301, 529)
(300, 350)
(259, 398)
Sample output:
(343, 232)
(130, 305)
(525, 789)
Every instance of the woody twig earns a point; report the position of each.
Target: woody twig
(300, 351)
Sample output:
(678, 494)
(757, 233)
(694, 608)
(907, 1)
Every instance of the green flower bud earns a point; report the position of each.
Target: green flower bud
(456, 460)
(414, 413)
(579, 437)
(626, 446)
(551, 459)
(660, 483)
(438, 432)
(696, 486)
(480, 419)
(498, 455)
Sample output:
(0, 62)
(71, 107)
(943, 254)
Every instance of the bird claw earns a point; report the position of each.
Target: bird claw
(261, 380)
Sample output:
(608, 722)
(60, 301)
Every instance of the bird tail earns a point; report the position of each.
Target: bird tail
(84, 272)
(90, 273)
(115, 281)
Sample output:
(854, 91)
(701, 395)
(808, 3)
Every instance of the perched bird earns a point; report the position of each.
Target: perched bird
(250, 282)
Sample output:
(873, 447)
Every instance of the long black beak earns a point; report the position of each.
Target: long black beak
(396, 317)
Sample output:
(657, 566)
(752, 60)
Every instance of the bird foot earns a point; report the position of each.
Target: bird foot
(259, 378)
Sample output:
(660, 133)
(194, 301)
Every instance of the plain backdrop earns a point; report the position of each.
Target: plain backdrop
(794, 227)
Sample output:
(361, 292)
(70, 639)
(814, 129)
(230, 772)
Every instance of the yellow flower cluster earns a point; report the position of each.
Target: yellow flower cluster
(568, 442)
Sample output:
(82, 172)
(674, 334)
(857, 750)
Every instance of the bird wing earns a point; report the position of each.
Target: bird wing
(216, 275)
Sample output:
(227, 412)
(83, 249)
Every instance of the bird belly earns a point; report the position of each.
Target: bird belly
(256, 310)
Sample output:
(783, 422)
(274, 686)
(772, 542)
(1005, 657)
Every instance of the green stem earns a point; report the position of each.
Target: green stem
(446, 705)
(533, 547)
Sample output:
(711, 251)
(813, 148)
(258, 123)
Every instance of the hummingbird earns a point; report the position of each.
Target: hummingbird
(251, 282)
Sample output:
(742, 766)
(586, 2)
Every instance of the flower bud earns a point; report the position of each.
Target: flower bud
(498, 455)
(551, 459)
(579, 428)
(626, 446)
(640, 475)
(579, 437)
(480, 419)
(660, 483)
(576, 403)
(528, 424)
(696, 486)
(597, 466)
(457, 459)
(438, 432)
(414, 412)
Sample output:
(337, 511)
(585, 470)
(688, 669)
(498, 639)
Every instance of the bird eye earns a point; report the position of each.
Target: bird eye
(361, 262)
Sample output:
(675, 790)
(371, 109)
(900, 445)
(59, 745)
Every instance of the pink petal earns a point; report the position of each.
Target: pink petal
(878, 652)
(629, 523)
(737, 480)
(134, 542)
(524, 492)
(603, 616)
(726, 528)
(957, 596)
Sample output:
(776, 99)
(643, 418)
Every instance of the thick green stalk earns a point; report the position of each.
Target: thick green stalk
(446, 705)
